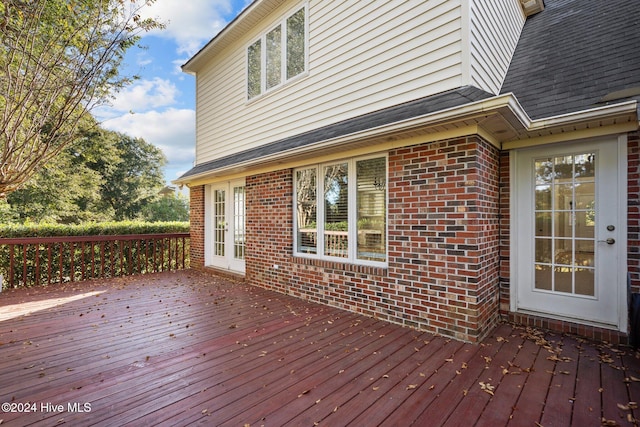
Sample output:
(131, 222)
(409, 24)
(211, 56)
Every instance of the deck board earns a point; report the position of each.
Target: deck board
(186, 348)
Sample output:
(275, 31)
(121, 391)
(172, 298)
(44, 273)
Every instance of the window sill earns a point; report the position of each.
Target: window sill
(341, 265)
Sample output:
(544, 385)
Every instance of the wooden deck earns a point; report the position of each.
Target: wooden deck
(183, 348)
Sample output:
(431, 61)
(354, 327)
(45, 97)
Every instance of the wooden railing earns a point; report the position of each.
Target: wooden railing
(45, 260)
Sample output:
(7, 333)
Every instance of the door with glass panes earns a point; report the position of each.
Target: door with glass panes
(226, 230)
(567, 232)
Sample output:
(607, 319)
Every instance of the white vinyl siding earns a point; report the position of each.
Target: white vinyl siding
(363, 56)
(495, 27)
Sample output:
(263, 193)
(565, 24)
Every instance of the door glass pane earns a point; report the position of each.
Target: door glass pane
(565, 220)
(371, 205)
(543, 197)
(584, 224)
(585, 281)
(336, 204)
(543, 276)
(543, 250)
(563, 279)
(306, 211)
(219, 222)
(238, 223)
(585, 195)
(543, 223)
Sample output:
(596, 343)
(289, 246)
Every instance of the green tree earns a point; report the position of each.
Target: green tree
(102, 176)
(59, 59)
(168, 208)
(135, 179)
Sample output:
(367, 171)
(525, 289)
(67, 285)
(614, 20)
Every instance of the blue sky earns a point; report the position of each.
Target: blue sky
(160, 106)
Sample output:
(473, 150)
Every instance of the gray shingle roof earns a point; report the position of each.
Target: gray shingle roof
(419, 107)
(574, 53)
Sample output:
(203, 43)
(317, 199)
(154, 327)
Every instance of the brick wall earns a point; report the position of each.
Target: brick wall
(443, 230)
(269, 227)
(197, 227)
(505, 230)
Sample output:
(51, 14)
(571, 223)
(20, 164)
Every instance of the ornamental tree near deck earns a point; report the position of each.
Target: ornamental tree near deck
(59, 59)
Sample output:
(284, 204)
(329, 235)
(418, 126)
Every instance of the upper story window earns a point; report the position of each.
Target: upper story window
(341, 210)
(277, 56)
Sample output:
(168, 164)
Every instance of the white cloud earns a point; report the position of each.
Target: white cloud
(146, 94)
(189, 23)
(172, 130)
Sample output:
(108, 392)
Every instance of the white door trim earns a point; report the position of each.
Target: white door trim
(228, 261)
(621, 243)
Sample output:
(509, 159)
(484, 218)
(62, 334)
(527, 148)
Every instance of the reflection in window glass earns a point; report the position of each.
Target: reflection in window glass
(254, 78)
(219, 222)
(274, 57)
(278, 55)
(306, 211)
(565, 220)
(341, 210)
(371, 205)
(295, 44)
(239, 246)
(336, 210)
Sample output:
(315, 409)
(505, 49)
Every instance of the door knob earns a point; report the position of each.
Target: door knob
(609, 241)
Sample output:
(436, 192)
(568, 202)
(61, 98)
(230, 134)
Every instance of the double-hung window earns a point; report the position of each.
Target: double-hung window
(341, 210)
(278, 56)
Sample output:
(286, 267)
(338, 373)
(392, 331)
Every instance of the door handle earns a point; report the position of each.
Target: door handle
(609, 241)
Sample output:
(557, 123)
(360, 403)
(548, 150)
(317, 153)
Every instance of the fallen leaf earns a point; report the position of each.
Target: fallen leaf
(412, 386)
(487, 388)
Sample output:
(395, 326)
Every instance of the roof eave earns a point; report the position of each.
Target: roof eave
(502, 118)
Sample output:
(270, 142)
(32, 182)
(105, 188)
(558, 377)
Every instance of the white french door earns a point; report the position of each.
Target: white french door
(569, 232)
(225, 226)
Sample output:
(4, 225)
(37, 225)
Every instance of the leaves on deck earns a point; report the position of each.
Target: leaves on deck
(487, 388)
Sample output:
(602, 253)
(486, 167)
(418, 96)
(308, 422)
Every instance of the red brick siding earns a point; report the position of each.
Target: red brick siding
(269, 227)
(505, 230)
(197, 227)
(443, 243)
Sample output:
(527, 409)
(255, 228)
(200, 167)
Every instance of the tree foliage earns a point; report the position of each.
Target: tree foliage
(58, 60)
(102, 176)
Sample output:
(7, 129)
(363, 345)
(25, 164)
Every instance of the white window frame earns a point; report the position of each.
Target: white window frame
(352, 216)
(283, 55)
